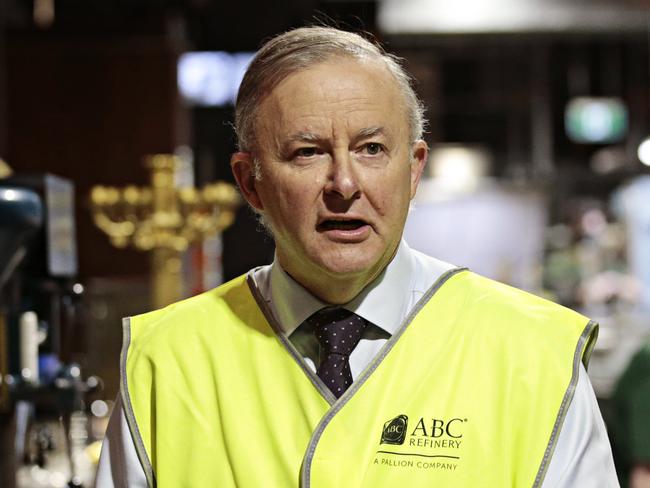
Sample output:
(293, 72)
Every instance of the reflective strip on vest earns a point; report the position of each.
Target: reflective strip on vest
(471, 391)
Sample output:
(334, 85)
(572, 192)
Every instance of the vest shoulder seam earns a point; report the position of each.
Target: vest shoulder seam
(582, 351)
(214, 293)
(129, 413)
(174, 313)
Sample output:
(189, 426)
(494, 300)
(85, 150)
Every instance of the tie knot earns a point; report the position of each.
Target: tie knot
(338, 330)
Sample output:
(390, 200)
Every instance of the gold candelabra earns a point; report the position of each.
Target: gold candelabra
(164, 219)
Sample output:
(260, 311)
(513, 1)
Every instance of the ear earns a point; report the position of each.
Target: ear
(243, 169)
(419, 154)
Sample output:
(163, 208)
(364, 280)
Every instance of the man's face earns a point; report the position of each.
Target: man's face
(338, 170)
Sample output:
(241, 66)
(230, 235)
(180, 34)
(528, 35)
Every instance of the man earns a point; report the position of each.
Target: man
(351, 360)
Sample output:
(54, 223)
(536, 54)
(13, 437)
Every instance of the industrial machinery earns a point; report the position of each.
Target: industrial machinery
(39, 302)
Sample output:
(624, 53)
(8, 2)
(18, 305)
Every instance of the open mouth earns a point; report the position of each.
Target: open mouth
(334, 224)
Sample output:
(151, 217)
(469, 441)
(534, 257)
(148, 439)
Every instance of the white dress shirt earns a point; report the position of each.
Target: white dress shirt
(582, 456)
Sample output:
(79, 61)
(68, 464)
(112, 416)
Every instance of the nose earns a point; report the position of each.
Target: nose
(343, 180)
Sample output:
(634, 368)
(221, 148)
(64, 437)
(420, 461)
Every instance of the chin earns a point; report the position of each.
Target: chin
(345, 269)
(348, 263)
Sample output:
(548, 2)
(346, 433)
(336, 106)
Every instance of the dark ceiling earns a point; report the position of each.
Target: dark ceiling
(208, 24)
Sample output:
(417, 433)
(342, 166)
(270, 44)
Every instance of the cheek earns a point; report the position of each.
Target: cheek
(391, 194)
(298, 197)
(291, 201)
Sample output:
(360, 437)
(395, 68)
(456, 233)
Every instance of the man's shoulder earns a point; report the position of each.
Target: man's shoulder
(483, 296)
(475, 293)
(216, 294)
(504, 319)
(487, 288)
(186, 317)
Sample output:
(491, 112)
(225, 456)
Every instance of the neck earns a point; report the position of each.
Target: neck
(335, 291)
(333, 288)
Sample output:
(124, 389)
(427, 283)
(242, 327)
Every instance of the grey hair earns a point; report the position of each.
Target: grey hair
(304, 47)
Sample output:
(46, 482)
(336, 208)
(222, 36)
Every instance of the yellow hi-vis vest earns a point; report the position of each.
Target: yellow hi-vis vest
(470, 392)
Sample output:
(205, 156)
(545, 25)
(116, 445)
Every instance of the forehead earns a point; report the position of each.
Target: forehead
(342, 93)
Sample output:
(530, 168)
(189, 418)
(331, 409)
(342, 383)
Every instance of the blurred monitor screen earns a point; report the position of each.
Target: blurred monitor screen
(211, 78)
(591, 120)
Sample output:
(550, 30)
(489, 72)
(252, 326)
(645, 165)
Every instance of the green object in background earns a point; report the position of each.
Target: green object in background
(629, 425)
(595, 120)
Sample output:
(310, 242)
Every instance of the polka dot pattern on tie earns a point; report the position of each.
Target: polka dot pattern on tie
(338, 332)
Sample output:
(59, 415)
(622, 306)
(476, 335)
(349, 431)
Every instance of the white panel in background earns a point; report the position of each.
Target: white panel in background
(496, 232)
(502, 16)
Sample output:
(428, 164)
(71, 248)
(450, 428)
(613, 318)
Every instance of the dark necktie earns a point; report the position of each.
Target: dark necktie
(338, 332)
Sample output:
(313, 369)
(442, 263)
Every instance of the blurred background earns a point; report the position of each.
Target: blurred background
(116, 194)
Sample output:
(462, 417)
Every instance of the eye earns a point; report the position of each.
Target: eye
(373, 148)
(306, 152)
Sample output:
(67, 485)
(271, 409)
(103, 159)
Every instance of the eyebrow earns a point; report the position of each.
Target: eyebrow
(304, 136)
(369, 132)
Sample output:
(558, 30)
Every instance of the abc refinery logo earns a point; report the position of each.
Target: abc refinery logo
(395, 430)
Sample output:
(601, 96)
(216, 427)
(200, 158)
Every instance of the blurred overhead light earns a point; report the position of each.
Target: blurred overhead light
(644, 151)
(5, 169)
(211, 78)
(458, 168)
(99, 408)
(595, 120)
(483, 16)
(43, 13)
(9, 194)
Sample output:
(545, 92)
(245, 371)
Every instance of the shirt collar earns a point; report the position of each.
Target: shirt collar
(382, 302)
